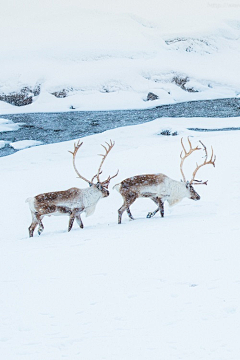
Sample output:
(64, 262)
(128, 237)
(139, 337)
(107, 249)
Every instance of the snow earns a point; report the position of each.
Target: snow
(146, 289)
(2, 144)
(23, 144)
(8, 125)
(110, 55)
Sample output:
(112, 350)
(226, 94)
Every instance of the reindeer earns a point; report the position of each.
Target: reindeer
(160, 188)
(72, 202)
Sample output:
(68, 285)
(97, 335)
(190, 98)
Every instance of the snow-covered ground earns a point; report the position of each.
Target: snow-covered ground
(23, 144)
(8, 125)
(110, 54)
(155, 288)
(159, 289)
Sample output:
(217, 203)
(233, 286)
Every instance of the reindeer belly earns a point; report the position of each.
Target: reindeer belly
(152, 191)
(56, 209)
(61, 211)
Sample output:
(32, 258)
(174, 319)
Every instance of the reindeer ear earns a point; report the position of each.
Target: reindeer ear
(187, 184)
(99, 186)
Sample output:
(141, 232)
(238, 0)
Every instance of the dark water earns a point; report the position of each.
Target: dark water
(56, 127)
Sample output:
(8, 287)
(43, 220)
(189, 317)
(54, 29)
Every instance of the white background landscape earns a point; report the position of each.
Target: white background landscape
(111, 54)
(148, 289)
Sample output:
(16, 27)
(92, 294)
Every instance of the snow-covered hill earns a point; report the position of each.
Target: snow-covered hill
(65, 55)
(155, 288)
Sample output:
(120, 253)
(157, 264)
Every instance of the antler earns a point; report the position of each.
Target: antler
(74, 153)
(209, 162)
(107, 148)
(187, 153)
(106, 182)
(95, 176)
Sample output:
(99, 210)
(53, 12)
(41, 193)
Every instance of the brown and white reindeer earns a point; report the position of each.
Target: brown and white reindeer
(71, 202)
(160, 188)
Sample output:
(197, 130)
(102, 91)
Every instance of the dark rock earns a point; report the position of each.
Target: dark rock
(62, 93)
(181, 82)
(23, 97)
(105, 90)
(168, 132)
(36, 90)
(165, 132)
(151, 96)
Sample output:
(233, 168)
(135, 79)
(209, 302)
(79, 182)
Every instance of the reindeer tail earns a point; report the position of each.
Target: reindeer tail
(117, 187)
(30, 202)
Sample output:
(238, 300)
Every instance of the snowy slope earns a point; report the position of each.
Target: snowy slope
(110, 55)
(155, 288)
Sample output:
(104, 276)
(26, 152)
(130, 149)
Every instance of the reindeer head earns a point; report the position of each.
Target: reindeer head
(193, 195)
(189, 184)
(102, 186)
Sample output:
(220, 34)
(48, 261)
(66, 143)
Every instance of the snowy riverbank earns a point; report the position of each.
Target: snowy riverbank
(105, 55)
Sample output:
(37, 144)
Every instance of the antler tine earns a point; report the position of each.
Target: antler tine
(76, 147)
(95, 176)
(107, 150)
(74, 153)
(204, 148)
(211, 161)
(187, 153)
(106, 182)
(182, 147)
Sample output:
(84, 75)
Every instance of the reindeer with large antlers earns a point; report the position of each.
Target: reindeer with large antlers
(160, 188)
(72, 202)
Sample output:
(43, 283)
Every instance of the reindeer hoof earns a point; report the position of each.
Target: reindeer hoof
(40, 230)
(149, 215)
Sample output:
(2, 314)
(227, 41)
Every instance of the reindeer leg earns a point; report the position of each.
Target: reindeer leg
(160, 208)
(66, 210)
(151, 214)
(40, 227)
(33, 225)
(128, 201)
(36, 220)
(32, 228)
(130, 214)
(71, 221)
(78, 217)
(79, 221)
(75, 214)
